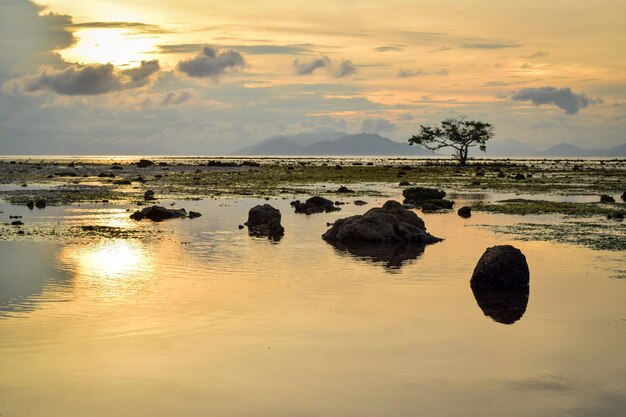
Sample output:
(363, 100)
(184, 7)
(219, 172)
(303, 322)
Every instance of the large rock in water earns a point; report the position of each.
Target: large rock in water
(158, 213)
(391, 223)
(416, 195)
(501, 267)
(264, 220)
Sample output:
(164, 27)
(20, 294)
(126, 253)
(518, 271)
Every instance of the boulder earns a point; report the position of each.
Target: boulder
(148, 195)
(416, 195)
(465, 212)
(387, 224)
(501, 267)
(315, 204)
(264, 220)
(158, 213)
(606, 199)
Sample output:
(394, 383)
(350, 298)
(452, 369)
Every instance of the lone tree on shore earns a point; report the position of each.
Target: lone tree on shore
(459, 133)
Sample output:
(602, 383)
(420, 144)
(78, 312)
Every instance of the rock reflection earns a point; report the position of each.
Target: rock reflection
(503, 306)
(393, 256)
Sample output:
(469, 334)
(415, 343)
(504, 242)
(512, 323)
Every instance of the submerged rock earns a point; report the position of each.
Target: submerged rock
(315, 204)
(465, 212)
(158, 213)
(389, 223)
(264, 220)
(502, 267)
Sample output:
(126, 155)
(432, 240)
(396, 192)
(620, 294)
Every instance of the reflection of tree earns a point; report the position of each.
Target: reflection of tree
(393, 255)
(503, 306)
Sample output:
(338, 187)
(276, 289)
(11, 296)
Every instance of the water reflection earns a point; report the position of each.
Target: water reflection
(26, 279)
(114, 268)
(502, 306)
(393, 256)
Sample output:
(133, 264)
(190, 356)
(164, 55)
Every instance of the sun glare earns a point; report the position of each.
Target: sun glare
(115, 46)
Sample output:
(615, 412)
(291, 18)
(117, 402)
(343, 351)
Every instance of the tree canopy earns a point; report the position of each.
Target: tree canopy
(459, 133)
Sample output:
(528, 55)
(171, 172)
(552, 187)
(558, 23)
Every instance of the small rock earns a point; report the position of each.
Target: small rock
(158, 213)
(359, 202)
(344, 189)
(194, 214)
(30, 204)
(144, 163)
(20, 232)
(264, 220)
(40, 204)
(519, 177)
(404, 184)
(315, 204)
(148, 195)
(17, 223)
(418, 194)
(606, 199)
(465, 212)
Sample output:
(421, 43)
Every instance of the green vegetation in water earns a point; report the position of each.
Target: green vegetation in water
(62, 231)
(538, 207)
(595, 235)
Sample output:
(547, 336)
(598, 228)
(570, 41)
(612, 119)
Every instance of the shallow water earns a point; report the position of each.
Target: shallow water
(201, 319)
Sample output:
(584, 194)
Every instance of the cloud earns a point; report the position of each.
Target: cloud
(295, 49)
(538, 54)
(307, 68)
(389, 48)
(85, 80)
(211, 62)
(488, 45)
(345, 68)
(563, 98)
(377, 126)
(136, 27)
(421, 73)
(27, 36)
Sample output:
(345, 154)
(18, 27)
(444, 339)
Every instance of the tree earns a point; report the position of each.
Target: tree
(458, 133)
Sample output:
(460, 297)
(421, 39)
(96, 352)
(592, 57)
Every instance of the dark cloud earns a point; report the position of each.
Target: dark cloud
(345, 68)
(377, 126)
(421, 73)
(389, 48)
(137, 27)
(28, 36)
(174, 98)
(211, 62)
(307, 68)
(85, 80)
(563, 98)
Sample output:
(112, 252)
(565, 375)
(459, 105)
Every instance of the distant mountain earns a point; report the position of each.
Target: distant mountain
(359, 144)
(507, 147)
(566, 149)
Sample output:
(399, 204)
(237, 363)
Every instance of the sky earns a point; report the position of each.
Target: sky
(207, 77)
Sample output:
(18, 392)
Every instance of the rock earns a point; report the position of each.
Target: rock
(30, 204)
(465, 212)
(315, 204)
(441, 204)
(387, 224)
(404, 184)
(501, 174)
(20, 232)
(606, 199)
(40, 204)
(519, 177)
(501, 267)
(194, 214)
(264, 220)
(122, 182)
(240, 226)
(144, 163)
(344, 189)
(338, 167)
(106, 175)
(148, 195)
(158, 213)
(17, 223)
(359, 202)
(118, 167)
(624, 196)
(416, 195)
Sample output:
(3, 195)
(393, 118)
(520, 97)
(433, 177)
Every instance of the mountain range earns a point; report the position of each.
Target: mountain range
(337, 143)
